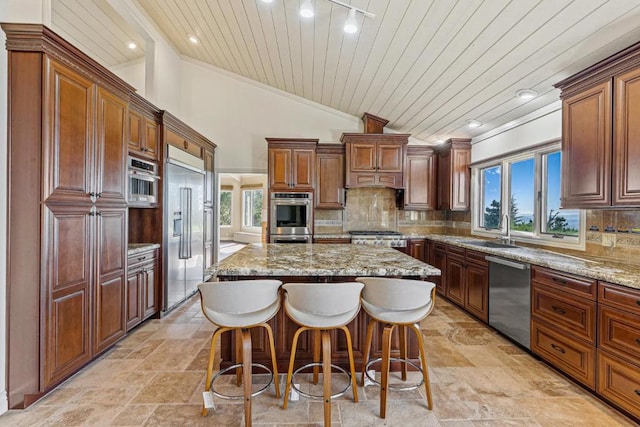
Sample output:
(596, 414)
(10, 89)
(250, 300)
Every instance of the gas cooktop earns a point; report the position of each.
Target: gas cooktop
(374, 233)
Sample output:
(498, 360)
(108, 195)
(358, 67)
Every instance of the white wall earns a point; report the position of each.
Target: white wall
(132, 72)
(542, 126)
(237, 114)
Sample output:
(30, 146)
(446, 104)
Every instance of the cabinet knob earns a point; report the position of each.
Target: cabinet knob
(638, 341)
(142, 258)
(557, 348)
(557, 280)
(92, 194)
(91, 213)
(558, 309)
(99, 213)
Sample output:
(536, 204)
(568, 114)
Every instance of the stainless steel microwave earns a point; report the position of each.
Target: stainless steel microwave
(291, 214)
(143, 183)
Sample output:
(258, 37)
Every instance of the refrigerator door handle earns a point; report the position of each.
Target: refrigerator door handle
(190, 218)
(183, 224)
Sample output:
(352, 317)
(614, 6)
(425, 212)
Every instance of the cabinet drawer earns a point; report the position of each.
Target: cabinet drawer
(477, 257)
(619, 381)
(619, 332)
(619, 296)
(573, 357)
(455, 250)
(141, 258)
(573, 315)
(575, 285)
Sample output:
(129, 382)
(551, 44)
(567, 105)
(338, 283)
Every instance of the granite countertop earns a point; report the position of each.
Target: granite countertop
(135, 248)
(282, 259)
(619, 273)
(332, 236)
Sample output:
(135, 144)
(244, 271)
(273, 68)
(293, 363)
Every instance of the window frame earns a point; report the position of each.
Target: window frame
(230, 209)
(537, 236)
(244, 208)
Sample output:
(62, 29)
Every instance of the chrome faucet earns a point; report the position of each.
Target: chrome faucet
(507, 236)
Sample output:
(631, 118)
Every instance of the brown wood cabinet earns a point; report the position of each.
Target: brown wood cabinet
(144, 135)
(329, 176)
(619, 346)
(374, 160)
(563, 322)
(599, 155)
(142, 287)
(437, 256)
(454, 176)
(420, 178)
(418, 249)
(292, 163)
(68, 142)
(467, 281)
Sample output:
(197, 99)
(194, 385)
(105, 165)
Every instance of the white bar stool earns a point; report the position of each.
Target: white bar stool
(396, 302)
(320, 307)
(239, 306)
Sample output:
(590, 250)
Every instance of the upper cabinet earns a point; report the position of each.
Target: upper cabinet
(374, 160)
(292, 163)
(143, 129)
(600, 133)
(454, 174)
(420, 178)
(329, 192)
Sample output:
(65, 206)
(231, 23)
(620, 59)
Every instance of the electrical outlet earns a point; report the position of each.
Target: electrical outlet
(609, 240)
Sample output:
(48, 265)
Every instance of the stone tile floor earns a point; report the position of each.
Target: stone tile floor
(155, 377)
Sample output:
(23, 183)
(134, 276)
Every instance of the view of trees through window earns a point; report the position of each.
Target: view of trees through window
(523, 204)
(252, 208)
(225, 208)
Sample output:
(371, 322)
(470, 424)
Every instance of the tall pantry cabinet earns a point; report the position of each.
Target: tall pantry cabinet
(67, 209)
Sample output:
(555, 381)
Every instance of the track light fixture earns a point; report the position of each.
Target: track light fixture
(351, 26)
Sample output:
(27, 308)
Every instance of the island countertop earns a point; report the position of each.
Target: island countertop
(286, 259)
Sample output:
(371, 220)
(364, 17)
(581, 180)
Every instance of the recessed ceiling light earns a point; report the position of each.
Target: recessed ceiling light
(131, 44)
(473, 123)
(193, 38)
(267, 1)
(526, 94)
(351, 26)
(306, 10)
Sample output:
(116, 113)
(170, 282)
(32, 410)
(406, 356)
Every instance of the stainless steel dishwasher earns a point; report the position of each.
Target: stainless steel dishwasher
(510, 298)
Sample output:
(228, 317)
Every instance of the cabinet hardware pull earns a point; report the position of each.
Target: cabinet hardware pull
(558, 309)
(92, 194)
(637, 392)
(91, 213)
(99, 213)
(561, 281)
(638, 302)
(142, 258)
(637, 340)
(98, 195)
(557, 348)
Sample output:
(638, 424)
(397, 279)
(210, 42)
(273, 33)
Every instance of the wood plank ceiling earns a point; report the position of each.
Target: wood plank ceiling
(426, 65)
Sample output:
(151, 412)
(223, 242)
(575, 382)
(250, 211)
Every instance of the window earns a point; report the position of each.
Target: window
(525, 188)
(225, 208)
(252, 208)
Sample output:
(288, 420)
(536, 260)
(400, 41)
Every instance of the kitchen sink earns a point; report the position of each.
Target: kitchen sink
(488, 244)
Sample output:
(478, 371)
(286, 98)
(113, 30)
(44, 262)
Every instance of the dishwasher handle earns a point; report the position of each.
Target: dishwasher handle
(506, 262)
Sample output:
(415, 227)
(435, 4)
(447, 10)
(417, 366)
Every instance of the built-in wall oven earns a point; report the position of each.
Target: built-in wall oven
(291, 217)
(143, 183)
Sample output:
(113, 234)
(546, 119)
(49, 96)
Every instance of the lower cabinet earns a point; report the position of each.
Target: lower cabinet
(342, 240)
(467, 281)
(563, 322)
(141, 287)
(418, 249)
(437, 256)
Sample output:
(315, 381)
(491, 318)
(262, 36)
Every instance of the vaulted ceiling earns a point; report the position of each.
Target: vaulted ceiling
(427, 66)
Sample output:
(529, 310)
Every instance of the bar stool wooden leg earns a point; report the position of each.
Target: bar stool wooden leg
(316, 354)
(247, 371)
(212, 353)
(423, 363)
(274, 363)
(351, 363)
(238, 356)
(384, 370)
(292, 359)
(367, 348)
(326, 376)
(403, 350)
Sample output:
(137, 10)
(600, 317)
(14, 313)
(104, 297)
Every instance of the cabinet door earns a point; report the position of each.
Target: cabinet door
(149, 294)
(418, 249)
(444, 180)
(151, 145)
(134, 298)
(460, 180)
(440, 262)
(363, 157)
(111, 148)
(626, 146)
(303, 168)
(389, 157)
(68, 135)
(111, 252)
(208, 177)
(136, 131)
(67, 280)
(279, 168)
(586, 148)
(477, 292)
(329, 180)
(455, 289)
(420, 182)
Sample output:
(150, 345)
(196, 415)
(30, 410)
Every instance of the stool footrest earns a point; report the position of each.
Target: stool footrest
(239, 365)
(316, 396)
(396, 387)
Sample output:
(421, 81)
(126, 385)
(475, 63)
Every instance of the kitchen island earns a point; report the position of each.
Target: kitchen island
(315, 263)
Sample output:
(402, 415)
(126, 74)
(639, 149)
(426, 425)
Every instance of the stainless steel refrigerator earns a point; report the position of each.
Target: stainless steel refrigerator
(184, 226)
